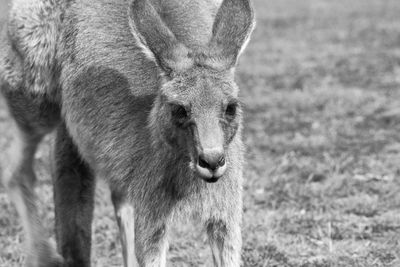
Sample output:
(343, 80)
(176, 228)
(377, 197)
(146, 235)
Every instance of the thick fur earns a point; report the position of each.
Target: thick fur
(34, 29)
(104, 74)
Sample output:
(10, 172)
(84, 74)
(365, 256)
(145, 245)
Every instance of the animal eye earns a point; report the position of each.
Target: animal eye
(179, 112)
(231, 110)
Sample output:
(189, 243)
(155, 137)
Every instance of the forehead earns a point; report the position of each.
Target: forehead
(200, 86)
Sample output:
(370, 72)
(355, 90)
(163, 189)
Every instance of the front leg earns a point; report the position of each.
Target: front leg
(151, 242)
(124, 213)
(225, 241)
(74, 187)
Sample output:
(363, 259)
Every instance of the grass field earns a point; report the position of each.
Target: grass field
(320, 82)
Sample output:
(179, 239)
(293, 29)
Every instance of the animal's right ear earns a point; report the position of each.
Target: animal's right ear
(155, 38)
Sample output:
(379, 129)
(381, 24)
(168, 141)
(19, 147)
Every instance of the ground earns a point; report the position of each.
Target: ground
(320, 83)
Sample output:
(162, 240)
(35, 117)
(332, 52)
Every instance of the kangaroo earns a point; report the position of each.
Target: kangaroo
(140, 93)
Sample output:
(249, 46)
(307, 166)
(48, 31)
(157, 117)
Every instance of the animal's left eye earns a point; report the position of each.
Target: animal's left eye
(231, 110)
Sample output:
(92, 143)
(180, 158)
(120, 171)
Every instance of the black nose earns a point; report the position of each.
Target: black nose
(211, 161)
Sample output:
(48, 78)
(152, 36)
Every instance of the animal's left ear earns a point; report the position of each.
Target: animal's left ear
(232, 28)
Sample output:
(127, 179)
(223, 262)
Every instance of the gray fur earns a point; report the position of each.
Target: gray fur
(122, 72)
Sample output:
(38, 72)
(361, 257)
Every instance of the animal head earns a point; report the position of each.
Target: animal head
(197, 110)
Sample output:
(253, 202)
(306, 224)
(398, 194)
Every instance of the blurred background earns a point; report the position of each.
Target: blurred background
(3, 9)
(321, 85)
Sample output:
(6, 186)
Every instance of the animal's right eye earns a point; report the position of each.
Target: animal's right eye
(179, 113)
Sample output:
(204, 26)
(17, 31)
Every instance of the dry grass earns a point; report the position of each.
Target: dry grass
(320, 81)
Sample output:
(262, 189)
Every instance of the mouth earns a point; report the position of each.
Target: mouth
(211, 180)
(208, 176)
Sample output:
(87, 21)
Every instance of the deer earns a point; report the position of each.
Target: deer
(140, 93)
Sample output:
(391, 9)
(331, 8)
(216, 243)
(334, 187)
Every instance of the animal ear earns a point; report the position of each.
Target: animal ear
(155, 38)
(232, 28)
